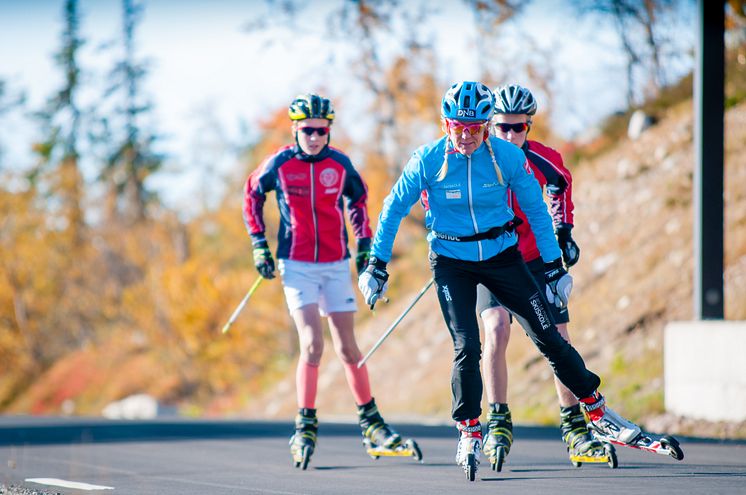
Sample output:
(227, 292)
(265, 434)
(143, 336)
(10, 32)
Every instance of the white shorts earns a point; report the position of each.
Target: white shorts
(326, 284)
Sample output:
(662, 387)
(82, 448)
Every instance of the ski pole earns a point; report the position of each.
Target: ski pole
(396, 322)
(242, 303)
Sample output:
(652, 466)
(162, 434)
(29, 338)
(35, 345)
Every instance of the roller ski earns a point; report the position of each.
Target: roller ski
(608, 426)
(303, 441)
(380, 440)
(499, 436)
(582, 446)
(469, 446)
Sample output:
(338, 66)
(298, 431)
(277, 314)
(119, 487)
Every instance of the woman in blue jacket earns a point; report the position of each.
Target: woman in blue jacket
(466, 175)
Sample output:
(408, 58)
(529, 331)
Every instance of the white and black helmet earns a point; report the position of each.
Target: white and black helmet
(514, 99)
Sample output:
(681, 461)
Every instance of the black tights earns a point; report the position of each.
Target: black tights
(507, 277)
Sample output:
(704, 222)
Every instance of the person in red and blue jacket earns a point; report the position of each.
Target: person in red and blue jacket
(310, 180)
(515, 107)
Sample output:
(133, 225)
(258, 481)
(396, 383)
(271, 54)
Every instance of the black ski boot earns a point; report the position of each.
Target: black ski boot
(380, 439)
(582, 446)
(303, 441)
(499, 435)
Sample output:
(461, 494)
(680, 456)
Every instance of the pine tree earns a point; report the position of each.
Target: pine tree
(58, 172)
(132, 160)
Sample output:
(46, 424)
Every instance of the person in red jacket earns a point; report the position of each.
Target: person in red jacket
(514, 108)
(310, 180)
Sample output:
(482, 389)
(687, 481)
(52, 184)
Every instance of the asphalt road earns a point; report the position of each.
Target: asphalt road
(170, 457)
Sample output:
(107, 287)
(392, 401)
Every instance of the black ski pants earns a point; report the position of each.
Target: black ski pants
(508, 278)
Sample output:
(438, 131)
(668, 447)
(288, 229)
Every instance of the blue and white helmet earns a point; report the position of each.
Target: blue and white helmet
(514, 99)
(468, 101)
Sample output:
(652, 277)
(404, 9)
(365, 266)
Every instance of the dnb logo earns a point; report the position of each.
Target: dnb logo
(465, 112)
(328, 177)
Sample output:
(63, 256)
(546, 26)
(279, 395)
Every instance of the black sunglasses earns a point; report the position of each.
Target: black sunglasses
(516, 128)
(308, 131)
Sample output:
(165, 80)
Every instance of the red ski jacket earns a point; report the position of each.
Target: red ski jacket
(309, 192)
(556, 180)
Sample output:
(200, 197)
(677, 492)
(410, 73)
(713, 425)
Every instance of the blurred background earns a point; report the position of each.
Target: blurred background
(128, 128)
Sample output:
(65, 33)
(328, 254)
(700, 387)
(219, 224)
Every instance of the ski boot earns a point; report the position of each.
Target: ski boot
(608, 426)
(469, 445)
(382, 440)
(303, 441)
(499, 436)
(582, 446)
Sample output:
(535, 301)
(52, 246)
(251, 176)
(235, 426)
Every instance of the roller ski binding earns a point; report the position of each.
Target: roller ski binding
(582, 446)
(380, 440)
(303, 441)
(499, 436)
(469, 445)
(608, 426)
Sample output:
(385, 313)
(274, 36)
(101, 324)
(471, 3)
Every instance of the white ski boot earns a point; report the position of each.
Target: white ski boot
(469, 446)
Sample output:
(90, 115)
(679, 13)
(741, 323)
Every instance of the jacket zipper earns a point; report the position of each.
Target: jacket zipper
(313, 215)
(471, 207)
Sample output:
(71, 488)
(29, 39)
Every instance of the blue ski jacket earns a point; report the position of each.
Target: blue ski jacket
(470, 199)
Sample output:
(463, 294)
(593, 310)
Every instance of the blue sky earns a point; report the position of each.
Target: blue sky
(208, 75)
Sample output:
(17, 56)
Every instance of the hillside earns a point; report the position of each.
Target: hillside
(634, 227)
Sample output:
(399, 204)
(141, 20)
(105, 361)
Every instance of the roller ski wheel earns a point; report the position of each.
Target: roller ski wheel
(649, 442)
(674, 450)
(496, 462)
(415, 449)
(607, 455)
(470, 467)
(613, 462)
(409, 448)
(303, 457)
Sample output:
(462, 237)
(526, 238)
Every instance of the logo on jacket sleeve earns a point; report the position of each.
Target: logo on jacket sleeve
(328, 177)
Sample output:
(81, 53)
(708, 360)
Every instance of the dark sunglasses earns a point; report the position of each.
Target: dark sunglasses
(516, 128)
(308, 131)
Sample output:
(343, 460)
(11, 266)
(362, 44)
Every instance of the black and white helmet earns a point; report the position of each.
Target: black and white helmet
(514, 99)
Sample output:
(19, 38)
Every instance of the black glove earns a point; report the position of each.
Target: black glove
(263, 260)
(570, 250)
(373, 281)
(559, 283)
(363, 255)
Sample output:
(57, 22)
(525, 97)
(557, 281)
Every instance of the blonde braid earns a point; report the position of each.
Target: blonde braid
(494, 162)
(443, 168)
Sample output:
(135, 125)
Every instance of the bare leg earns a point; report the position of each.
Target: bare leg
(341, 326)
(308, 324)
(494, 361)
